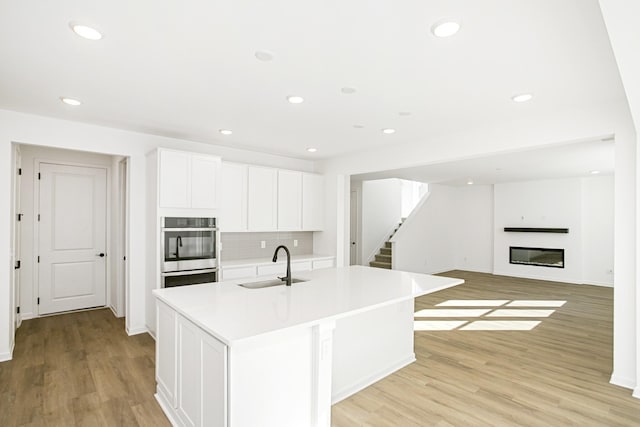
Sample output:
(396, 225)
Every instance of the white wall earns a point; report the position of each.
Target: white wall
(381, 210)
(451, 230)
(620, 17)
(597, 230)
(43, 131)
(28, 248)
(583, 205)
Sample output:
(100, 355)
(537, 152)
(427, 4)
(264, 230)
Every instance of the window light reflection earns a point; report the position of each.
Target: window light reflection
(473, 303)
(437, 325)
(501, 325)
(470, 312)
(520, 313)
(536, 303)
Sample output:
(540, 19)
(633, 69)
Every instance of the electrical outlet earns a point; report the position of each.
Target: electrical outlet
(295, 243)
(263, 244)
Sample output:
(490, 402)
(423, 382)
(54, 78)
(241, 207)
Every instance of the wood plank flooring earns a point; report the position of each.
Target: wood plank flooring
(81, 369)
(556, 374)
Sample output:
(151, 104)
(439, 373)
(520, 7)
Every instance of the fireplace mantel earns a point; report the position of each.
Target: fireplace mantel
(536, 230)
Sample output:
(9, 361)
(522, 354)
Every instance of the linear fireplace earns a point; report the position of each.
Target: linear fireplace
(544, 257)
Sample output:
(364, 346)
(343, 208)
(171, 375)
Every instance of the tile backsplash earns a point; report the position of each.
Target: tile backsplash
(247, 245)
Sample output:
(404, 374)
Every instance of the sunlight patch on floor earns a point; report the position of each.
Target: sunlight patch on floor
(470, 312)
(536, 303)
(437, 325)
(501, 325)
(520, 313)
(473, 303)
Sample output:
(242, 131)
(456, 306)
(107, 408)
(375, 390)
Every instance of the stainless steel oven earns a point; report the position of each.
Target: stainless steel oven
(189, 251)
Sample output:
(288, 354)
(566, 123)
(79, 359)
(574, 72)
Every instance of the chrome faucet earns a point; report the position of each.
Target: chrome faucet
(287, 278)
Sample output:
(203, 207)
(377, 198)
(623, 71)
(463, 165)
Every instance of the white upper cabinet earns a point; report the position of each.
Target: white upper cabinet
(204, 182)
(233, 203)
(312, 202)
(188, 180)
(175, 179)
(262, 199)
(289, 200)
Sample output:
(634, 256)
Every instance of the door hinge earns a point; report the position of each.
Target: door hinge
(38, 258)
(19, 217)
(124, 258)
(38, 217)
(17, 265)
(19, 171)
(38, 300)
(39, 175)
(18, 310)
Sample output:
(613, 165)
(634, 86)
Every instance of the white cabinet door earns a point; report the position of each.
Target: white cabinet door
(312, 202)
(202, 377)
(289, 200)
(214, 382)
(166, 352)
(233, 205)
(204, 181)
(262, 198)
(175, 179)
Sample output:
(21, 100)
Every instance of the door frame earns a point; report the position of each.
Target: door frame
(16, 167)
(122, 241)
(354, 216)
(36, 228)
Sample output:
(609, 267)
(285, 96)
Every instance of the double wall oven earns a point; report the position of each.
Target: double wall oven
(189, 251)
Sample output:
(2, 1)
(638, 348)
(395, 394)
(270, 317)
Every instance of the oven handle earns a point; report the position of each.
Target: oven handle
(164, 229)
(189, 272)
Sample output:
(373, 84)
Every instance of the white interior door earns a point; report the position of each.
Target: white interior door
(72, 234)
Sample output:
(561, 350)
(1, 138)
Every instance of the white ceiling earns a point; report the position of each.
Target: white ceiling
(187, 69)
(558, 161)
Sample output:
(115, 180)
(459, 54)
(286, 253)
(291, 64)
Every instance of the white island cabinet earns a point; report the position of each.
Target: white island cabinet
(281, 356)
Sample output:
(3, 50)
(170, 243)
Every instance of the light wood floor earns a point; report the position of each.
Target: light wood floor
(79, 369)
(82, 369)
(554, 375)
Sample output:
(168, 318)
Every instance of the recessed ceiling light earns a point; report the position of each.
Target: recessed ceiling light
(70, 101)
(595, 172)
(264, 55)
(388, 131)
(358, 126)
(404, 113)
(445, 28)
(523, 97)
(469, 182)
(312, 150)
(85, 31)
(348, 90)
(225, 131)
(295, 99)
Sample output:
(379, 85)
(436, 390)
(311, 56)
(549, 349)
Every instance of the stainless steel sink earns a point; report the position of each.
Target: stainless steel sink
(268, 283)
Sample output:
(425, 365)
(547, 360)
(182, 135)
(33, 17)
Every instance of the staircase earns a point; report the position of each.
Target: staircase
(383, 257)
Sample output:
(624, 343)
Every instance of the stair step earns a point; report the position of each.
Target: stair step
(383, 258)
(379, 264)
(387, 245)
(385, 251)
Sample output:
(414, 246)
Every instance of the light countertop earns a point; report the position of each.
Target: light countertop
(282, 259)
(232, 313)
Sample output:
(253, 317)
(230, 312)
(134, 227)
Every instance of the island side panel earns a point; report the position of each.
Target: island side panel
(273, 380)
(370, 346)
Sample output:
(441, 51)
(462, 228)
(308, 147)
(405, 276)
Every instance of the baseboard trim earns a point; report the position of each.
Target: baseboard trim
(625, 382)
(27, 316)
(5, 357)
(604, 285)
(113, 310)
(366, 382)
(636, 392)
(168, 410)
(137, 331)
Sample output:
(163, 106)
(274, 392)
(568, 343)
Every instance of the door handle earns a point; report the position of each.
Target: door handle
(101, 255)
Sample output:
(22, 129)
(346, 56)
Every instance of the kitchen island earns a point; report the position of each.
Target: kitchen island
(281, 356)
